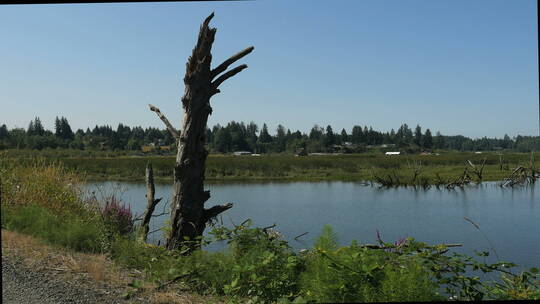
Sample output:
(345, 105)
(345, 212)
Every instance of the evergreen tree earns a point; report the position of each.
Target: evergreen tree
(407, 134)
(316, 133)
(329, 137)
(251, 133)
(66, 129)
(418, 135)
(357, 134)
(57, 127)
(222, 140)
(344, 136)
(265, 137)
(280, 138)
(438, 142)
(392, 136)
(4, 132)
(427, 140)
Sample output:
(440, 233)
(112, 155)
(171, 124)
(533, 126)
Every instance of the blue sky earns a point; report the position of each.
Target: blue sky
(465, 67)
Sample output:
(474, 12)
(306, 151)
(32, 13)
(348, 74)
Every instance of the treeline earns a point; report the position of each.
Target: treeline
(238, 136)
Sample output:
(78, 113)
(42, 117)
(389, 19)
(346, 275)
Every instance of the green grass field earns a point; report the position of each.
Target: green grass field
(432, 169)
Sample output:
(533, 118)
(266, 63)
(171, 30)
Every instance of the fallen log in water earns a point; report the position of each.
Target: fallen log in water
(521, 176)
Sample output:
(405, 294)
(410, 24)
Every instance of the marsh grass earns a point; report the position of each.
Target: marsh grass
(285, 167)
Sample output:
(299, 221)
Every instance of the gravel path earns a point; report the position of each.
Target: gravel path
(29, 286)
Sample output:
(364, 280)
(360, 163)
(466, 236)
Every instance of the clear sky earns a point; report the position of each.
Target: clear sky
(466, 67)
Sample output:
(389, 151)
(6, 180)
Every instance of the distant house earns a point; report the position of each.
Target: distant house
(147, 148)
(165, 148)
(301, 152)
(254, 154)
(392, 153)
(238, 153)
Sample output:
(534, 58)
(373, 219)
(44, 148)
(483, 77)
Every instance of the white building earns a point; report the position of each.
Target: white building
(392, 153)
(237, 153)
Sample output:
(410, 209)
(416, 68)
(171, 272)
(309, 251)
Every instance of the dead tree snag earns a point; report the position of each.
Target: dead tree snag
(151, 203)
(188, 215)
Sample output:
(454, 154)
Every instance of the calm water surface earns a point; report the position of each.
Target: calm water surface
(509, 218)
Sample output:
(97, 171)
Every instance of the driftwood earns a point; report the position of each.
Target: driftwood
(373, 246)
(151, 202)
(188, 215)
(461, 181)
(478, 171)
(521, 176)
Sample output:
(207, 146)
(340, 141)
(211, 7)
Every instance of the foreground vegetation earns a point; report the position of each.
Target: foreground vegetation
(43, 200)
(418, 170)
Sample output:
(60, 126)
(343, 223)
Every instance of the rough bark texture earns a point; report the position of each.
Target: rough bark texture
(188, 215)
(151, 202)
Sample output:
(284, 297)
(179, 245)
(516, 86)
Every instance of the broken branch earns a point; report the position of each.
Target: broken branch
(215, 210)
(222, 67)
(227, 75)
(169, 126)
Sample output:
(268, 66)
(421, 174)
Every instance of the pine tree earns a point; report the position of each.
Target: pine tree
(57, 127)
(344, 136)
(418, 135)
(316, 133)
(438, 142)
(329, 137)
(265, 137)
(4, 132)
(66, 129)
(357, 134)
(427, 140)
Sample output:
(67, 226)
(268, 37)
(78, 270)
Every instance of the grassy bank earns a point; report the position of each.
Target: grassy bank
(258, 266)
(430, 169)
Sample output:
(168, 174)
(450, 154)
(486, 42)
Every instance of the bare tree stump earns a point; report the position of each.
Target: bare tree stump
(188, 215)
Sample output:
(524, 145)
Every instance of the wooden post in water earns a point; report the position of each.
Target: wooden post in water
(188, 215)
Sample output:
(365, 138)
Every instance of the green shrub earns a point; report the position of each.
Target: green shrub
(68, 230)
(359, 274)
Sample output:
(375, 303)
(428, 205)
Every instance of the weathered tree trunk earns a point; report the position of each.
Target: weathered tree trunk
(150, 203)
(188, 215)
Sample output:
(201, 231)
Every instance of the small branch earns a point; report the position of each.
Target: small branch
(222, 67)
(269, 227)
(158, 215)
(173, 280)
(371, 246)
(153, 231)
(169, 126)
(226, 76)
(297, 237)
(215, 210)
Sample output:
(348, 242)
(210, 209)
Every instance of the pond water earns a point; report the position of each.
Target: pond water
(509, 219)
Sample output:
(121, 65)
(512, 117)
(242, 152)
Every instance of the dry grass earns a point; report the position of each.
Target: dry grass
(38, 255)
(103, 272)
(49, 185)
(171, 297)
